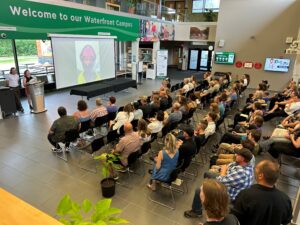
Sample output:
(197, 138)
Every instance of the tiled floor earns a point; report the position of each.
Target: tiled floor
(31, 171)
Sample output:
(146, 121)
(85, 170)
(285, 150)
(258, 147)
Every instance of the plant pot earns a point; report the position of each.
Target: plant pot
(131, 10)
(108, 187)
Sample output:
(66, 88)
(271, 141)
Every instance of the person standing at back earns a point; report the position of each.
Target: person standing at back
(26, 81)
(263, 203)
(12, 81)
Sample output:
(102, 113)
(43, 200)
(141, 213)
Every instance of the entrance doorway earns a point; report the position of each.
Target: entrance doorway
(200, 59)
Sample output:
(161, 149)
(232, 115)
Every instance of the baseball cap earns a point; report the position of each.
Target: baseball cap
(188, 130)
(246, 153)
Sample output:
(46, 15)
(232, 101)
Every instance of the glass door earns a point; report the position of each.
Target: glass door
(204, 60)
(193, 59)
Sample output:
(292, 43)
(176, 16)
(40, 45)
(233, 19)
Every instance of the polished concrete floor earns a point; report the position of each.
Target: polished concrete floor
(32, 172)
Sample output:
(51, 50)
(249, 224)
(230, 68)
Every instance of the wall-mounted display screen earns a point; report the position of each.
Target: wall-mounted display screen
(224, 57)
(277, 65)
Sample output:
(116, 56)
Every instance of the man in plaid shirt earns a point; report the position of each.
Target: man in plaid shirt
(236, 176)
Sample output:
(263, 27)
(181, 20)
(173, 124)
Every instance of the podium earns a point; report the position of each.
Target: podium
(37, 97)
(7, 101)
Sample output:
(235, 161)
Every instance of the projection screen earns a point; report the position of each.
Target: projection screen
(82, 59)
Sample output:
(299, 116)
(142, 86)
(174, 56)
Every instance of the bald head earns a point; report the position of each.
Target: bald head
(128, 127)
(267, 172)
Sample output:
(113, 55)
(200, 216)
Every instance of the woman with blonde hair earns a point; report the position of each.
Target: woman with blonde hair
(165, 162)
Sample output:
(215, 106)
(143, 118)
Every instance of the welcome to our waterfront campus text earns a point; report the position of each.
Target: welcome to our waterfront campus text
(28, 12)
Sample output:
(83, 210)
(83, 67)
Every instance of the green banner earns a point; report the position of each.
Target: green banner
(21, 19)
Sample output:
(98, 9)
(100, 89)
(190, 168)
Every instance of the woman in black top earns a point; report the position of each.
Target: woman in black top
(26, 79)
(215, 200)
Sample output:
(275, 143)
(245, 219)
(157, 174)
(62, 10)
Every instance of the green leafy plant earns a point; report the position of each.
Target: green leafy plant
(73, 213)
(131, 3)
(209, 15)
(107, 162)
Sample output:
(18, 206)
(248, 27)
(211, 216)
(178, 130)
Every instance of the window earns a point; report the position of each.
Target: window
(200, 6)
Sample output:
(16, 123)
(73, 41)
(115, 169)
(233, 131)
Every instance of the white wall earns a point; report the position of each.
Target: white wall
(254, 30)
(182, 30)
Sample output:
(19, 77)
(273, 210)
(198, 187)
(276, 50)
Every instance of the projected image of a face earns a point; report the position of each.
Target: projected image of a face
(88, 60)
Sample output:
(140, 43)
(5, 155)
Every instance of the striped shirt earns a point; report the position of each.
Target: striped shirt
(98, 112)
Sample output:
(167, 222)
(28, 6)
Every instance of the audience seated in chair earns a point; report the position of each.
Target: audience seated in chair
(186, 146)
(275, 207)
(200, 131)
(83, 113)
(175, 116)
(128, 144)
(292, 147)
(99, 111)
(111, 105)
(59, 128)
(143, 131)
(156, 124)
(145, 107)
(236, 176)
(137, 112)
(165, 162)
(214, 198)
(284, 108)
(122, 117)
(211, 124)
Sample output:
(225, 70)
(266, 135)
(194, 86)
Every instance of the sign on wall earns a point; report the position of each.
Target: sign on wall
(167, 32)
(152, 31)
(162, 63)
(149, 30)
(33, 20)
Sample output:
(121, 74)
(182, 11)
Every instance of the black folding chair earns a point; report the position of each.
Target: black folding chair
(70, 136)
(134, 124)
(112, 137)
(100, 121)
(170, 186)
(120, 108)
(96, 145)
(85, 126)
(121, 131)
(111, 116)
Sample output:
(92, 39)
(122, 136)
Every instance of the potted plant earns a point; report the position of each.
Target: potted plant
(131, 6)
(73, 213)
(108, 184)
(209, 15)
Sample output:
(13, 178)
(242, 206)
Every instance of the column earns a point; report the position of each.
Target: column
(185, 56)
(296, 70)
(134, 58)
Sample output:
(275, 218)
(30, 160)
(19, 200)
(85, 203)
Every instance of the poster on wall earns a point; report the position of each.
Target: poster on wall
(167, 32)
(199, 33)
(150, 30)
(44, 51)
(161, 63)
